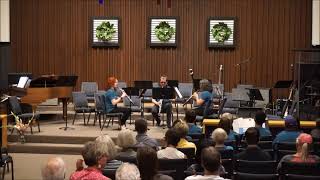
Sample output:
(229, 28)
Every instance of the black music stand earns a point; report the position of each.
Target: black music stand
(173, 83)
(254, 94)
(143, 86)
(282, 84)
(163, 93)
(131, 91)
(66, 81)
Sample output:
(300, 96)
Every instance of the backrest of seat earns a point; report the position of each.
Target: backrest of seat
(265, 144)
(122, 84)
(189, 152)
(15, 105)
(135, 99)
(185, 89)
(99, 101)
(286, 146)
(281, 153)
(256, 167)
(79, 99)
(300, 168)
(226, 153)
(300, 177)
(248, 176)
(180, 165)
(89, 88)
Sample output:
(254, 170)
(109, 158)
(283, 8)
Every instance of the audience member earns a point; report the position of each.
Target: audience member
(190, 117)
(303, 144)
(107, 146)
(289, 134)
(226, 124)
(211, 163)
(126, 142)
(253, 151)
(260, 119)
(219, 136)
(315, 133)
(142, 138)
(170, 152)
(95, 159)
(128, 171)
(54, 169)
(182, 130)
(148, 164)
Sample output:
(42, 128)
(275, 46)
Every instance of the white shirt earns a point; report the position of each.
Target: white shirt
(209, 177)
(170, 153)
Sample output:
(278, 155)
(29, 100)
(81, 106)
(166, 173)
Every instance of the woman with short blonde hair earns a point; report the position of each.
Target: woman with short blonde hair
(219, 135)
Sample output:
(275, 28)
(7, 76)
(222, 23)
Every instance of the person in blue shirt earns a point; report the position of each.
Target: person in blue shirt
(225, 123)
(190, 119)
(204, 99)
(112, 99)
(260, 118)
(289, 134)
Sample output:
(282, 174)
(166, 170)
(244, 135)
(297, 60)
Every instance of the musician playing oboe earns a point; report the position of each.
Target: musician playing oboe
(203, 99)
(112, 99)
(163, 104)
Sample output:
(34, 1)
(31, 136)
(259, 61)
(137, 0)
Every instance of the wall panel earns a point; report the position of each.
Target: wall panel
(53, 37)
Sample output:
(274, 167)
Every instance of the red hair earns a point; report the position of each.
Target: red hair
(111, 81)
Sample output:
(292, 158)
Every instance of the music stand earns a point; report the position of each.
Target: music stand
(163, 93)
(254, 94)
(173, 83)
(131, 91)
(143, 86)
(283, 84)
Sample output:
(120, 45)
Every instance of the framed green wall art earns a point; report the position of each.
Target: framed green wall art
(105, 32)
(163, 32)
(221, 32)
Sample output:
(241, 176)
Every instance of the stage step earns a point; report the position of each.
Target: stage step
(52, 139)
(45, 148)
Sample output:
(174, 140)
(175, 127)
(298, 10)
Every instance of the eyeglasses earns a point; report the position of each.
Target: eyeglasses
(162, 82)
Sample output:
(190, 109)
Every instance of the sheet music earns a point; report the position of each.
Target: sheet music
(22, 81)
(178, 92)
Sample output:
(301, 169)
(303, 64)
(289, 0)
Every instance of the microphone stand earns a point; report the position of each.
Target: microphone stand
(240, 71)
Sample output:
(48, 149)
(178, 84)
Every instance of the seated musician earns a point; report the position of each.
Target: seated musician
(203, 99)
(111, 101)
(166, 105)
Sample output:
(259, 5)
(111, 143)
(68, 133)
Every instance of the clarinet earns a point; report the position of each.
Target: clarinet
(126, 95)
(160, 107)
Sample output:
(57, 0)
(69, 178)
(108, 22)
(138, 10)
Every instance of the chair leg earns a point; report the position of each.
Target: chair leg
(74, 118)
(88, 118)
(4, 171)
(38, 125)
(31, 128)
(104, 122)
(84, 118)
(12, 173)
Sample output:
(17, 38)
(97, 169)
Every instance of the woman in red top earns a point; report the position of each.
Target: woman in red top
(95, 160)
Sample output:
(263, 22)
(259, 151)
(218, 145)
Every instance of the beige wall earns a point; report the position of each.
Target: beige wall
(316, 22)
(5, 20)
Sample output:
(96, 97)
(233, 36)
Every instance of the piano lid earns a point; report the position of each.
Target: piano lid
(54, 81)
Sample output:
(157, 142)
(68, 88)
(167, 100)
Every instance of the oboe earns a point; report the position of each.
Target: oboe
(126, 95)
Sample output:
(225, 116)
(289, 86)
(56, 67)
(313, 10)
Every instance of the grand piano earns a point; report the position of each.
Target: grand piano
(48, 87)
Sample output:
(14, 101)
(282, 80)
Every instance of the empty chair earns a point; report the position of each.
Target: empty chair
(190, 153)
(89, 88)
(17, 110)
(228, 167)
(256, 167)
(81, 105)
(248, 176)
(5, 160)
(186, 91)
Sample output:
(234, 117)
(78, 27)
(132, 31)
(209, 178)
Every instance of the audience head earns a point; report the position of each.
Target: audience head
(107, 146)
(181, 128)
(303, 143)
(172, 138)
(252, 136)
(93, 155)
(205, 85)
(219, 136)
(210, 159)
(54, 169)
(126, 139)
(141, 126)
(290, 122)
(147, 162)
(111, 82)
(127, 171)
(226, 122)
(260, 118)
(190, 116)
